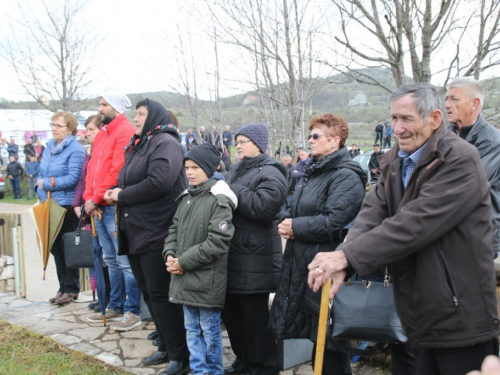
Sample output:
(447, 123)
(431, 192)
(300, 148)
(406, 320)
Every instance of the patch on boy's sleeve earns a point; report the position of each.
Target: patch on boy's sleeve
(223, 226)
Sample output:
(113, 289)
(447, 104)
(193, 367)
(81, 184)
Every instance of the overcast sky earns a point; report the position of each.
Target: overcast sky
(137, 51)
(133, 54)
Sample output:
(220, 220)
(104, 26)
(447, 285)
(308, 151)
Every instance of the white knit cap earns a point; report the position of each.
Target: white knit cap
(118, 101)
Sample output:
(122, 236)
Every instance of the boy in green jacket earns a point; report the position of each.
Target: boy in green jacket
(196, 252)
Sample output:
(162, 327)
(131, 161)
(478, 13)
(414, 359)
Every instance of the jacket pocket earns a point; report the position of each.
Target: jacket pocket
(449, 281)
(199, 280)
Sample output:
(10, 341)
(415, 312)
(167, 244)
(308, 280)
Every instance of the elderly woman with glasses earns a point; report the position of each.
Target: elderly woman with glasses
(327, 198)
(255, 253)
(60, 170)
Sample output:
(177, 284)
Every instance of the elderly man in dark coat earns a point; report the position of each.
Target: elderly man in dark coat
(430, 216)
(464, 102)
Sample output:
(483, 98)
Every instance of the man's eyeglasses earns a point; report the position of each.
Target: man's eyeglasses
(57, 126)
(315, 136)
(242, 142)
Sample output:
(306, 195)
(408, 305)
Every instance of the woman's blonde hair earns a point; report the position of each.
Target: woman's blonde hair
(69, 119)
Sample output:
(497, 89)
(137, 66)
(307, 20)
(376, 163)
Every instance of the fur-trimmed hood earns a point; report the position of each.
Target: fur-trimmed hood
(219, 188)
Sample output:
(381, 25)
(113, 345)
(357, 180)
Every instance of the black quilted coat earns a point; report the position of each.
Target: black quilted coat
(255, 253)
(327, 197)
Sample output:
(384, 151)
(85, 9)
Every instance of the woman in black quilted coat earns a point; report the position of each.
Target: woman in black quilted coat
(327, 198)
(255, 254)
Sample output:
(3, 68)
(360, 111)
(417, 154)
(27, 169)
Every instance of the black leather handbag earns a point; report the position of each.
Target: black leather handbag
(360, 311)
(78, 248)
(365, 311)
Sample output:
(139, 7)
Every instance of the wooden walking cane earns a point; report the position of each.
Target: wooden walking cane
(323, 318)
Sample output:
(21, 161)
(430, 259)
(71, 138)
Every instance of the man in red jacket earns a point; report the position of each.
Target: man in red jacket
(102, 174)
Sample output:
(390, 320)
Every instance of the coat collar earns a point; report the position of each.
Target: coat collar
(58, 148)
(430, 151)
(477, 128)
(115, 124)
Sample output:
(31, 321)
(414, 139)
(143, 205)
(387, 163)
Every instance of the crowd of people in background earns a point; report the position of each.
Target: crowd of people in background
(201, 239)
(9, 157)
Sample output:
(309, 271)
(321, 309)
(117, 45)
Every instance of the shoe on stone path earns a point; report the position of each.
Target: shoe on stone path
(111, 315)
(128, 322)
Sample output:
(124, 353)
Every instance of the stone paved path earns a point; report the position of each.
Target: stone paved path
(67, 325)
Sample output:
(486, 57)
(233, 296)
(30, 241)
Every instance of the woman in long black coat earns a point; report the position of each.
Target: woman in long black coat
(149, 183)
(255, 253)
(326, 199)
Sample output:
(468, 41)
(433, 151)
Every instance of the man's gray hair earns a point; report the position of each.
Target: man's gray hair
(288, 156)
(472, 88)
(426, 98)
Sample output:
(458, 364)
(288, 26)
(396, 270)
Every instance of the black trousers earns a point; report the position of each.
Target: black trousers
(246, 317)
(69, 278)
(334, 362)
(339, 363)
(402, 359)
(154, 282)
(453, 361)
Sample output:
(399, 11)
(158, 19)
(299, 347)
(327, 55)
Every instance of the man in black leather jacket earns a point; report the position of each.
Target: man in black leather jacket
(464, 102)
(373, 164)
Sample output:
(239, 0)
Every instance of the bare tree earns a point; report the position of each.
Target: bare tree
(50, 52)
(198, 73)
(275, 35)
(485, 36)
(188, 79)
(216, 110)
(388, 33)
(395, 28)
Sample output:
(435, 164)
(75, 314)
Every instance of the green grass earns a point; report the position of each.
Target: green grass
(9, 195)
(25, 352)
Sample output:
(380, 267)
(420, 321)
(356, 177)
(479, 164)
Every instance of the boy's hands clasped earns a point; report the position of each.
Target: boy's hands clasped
(173, 265)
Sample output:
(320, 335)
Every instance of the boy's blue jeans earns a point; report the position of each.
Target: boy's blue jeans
(204, 340)
(125, 295)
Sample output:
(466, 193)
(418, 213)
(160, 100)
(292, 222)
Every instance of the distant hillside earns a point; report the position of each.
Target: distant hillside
(336, 95)
(333, 98)
(168, 99)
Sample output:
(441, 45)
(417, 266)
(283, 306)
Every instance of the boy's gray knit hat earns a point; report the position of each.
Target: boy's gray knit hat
(258, 133)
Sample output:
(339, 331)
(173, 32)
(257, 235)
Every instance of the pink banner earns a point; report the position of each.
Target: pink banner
(35, 135)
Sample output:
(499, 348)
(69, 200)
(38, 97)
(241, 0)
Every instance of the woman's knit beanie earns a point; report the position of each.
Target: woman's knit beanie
(258, 133)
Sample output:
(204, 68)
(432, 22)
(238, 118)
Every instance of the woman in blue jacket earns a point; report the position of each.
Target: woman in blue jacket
(60, 170)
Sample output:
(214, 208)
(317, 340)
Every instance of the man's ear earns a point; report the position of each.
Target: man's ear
(475, 103)
(435, 118)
